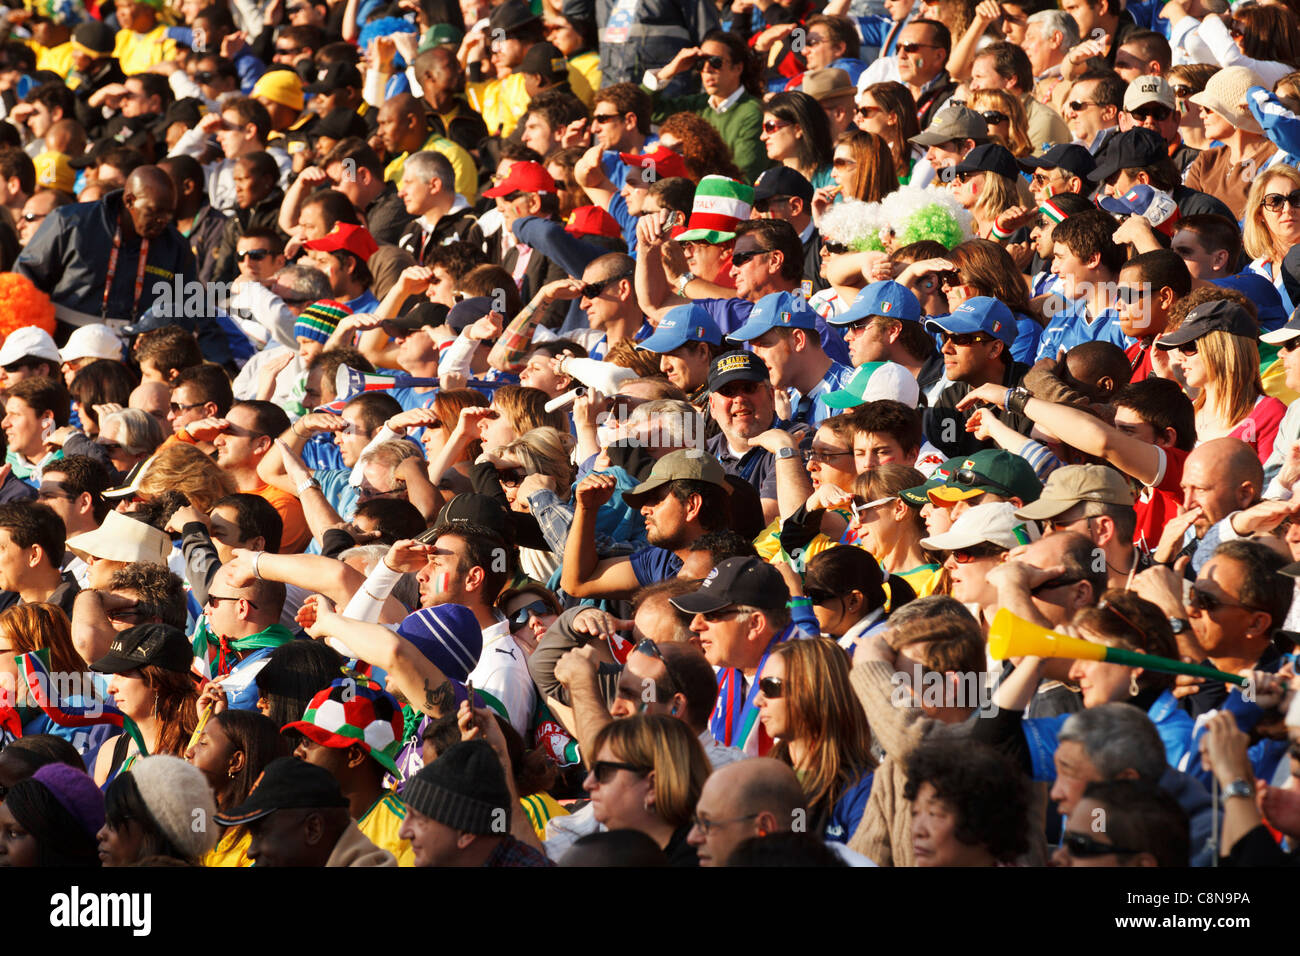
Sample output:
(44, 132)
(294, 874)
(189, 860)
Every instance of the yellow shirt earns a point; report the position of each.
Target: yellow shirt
(56, 59)
(502, 102)
(229, 851)
(768, 547)
(137, 52)
(462, 165)
(381, 823)
(584, 76)
(540, 807)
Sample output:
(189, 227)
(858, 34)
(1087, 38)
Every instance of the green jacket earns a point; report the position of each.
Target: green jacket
(739, 127)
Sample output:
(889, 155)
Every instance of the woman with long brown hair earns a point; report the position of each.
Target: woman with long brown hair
(1006, 119)
(862, 165)
(807, 705)
(151, 684)
(700, 144)
(888, 110)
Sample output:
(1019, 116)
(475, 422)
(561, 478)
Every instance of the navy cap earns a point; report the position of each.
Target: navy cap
(737, 366)
(1218, 315)
(988, 158)
(978, 314)
(1132, 148)
(780, 310)
(782, 181)
(748, 581)
(1071, 157)
(887, 298)
(685, 323)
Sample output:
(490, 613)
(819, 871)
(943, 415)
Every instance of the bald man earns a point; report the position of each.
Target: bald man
(70, 255)
(1221, 477)
(751, 798)
(154, 398)
(406, 126)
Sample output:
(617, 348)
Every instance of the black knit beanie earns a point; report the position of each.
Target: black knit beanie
(465, 789)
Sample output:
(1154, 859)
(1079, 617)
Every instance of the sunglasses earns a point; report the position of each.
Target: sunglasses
(1290, 345)
(712, 62)
(604, 770)
(257, 255)
(603, 117)
(820, 597)
(1081, 846)
(1207, 602)
(842, 163)
(1188, 349)
(815, 39)
(511, 477)
(592, 290)
(1157, 113)
(866, 112)
(771, 687)
(1182, 92)
(831, 248)
(1274, 202)
(913, 48)
(713, 617)
(178, 407)
(740, 258)
(994, 117)
(216, 599)
(976, 553)
(1130, 295)
(206, 76)
(964, 339)
(520, 617)
(771, 126)
(1078, 106)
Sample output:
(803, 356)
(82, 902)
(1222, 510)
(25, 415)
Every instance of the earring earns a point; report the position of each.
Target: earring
(1132, 684)
(155, 705)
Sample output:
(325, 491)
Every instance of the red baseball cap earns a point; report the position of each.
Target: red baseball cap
(662, 160)
(346, 237)
(593, 221)
(524, 177)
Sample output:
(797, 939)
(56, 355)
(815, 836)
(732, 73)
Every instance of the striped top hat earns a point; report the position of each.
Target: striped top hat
(720, 205)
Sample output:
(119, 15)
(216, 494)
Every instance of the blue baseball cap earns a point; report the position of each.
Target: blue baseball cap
(685, 323)
(887, 298)
(980, 314)
(1268, 301)
(780, 310)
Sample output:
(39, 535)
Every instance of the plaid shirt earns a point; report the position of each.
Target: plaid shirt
(554, 517)
(513, 852)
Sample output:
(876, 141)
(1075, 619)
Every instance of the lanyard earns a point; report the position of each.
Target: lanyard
(112, 271)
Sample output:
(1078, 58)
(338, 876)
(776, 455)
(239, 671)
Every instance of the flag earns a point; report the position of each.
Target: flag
(35, 669)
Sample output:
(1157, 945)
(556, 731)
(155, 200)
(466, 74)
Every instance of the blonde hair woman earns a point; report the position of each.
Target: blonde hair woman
(1224, 368)
(987, 183)
(646, 774)
(184, 468)
(1006, 119)
(541, 451)
(1273, 225)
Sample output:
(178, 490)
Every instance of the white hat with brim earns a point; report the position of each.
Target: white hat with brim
(993, 523)
(29, 342)
(1225, 93)
(122, 538)
(92, 342)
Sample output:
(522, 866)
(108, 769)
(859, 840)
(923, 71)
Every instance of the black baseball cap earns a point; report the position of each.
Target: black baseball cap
(987, 158)
(96, 36)
(418, 316)
(1071, 157)
(545, 60)
(160, 645)
(287, 783)
(468, 311)
(340, 124)
(334, 77)
(1133, 147)
(469, 508)
(736, 366)
(510, 16)
(1217, 316)
(782, 181)
(748, 581)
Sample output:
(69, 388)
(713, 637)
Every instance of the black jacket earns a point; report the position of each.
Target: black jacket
(261, 215)
(459, 226)
(386, 216)
(945, 427)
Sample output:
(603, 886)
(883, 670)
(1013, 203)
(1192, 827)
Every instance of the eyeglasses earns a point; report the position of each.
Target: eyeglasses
(771, 126)
(1209, 603)
(841, 162)
(592, 290)
(823, 454)
(604, 770)
(965, 339)
(1274, 202)
(1158, 113)
(994, 117)
(216, 599)
(178, 407)
(1189, 348)
(866, 112)
(520, 617)
(257, 255)
(976, 553)
(740, 258)
(913, 48)
(712, 62)
(707, 826)
(1078, 106)
(771, 687)
(1064, 580)
(815, 39)
(713, 617)
(604, 117)
(1081, 845)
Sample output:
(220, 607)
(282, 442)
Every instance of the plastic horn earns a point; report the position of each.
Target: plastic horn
(561, 401)
(1013, 636)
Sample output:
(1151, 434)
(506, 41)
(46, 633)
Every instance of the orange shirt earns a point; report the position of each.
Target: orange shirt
(296, 535)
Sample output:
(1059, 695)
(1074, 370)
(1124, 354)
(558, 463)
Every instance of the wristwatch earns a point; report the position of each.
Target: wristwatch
(1239, 788)
(786, 452)
(304, 485)
(683, 281)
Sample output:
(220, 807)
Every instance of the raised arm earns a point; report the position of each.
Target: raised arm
(582, 574)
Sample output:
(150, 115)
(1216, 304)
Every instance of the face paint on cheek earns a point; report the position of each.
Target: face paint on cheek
(440, 583)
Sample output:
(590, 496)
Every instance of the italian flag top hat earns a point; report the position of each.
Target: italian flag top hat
(720, 204)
